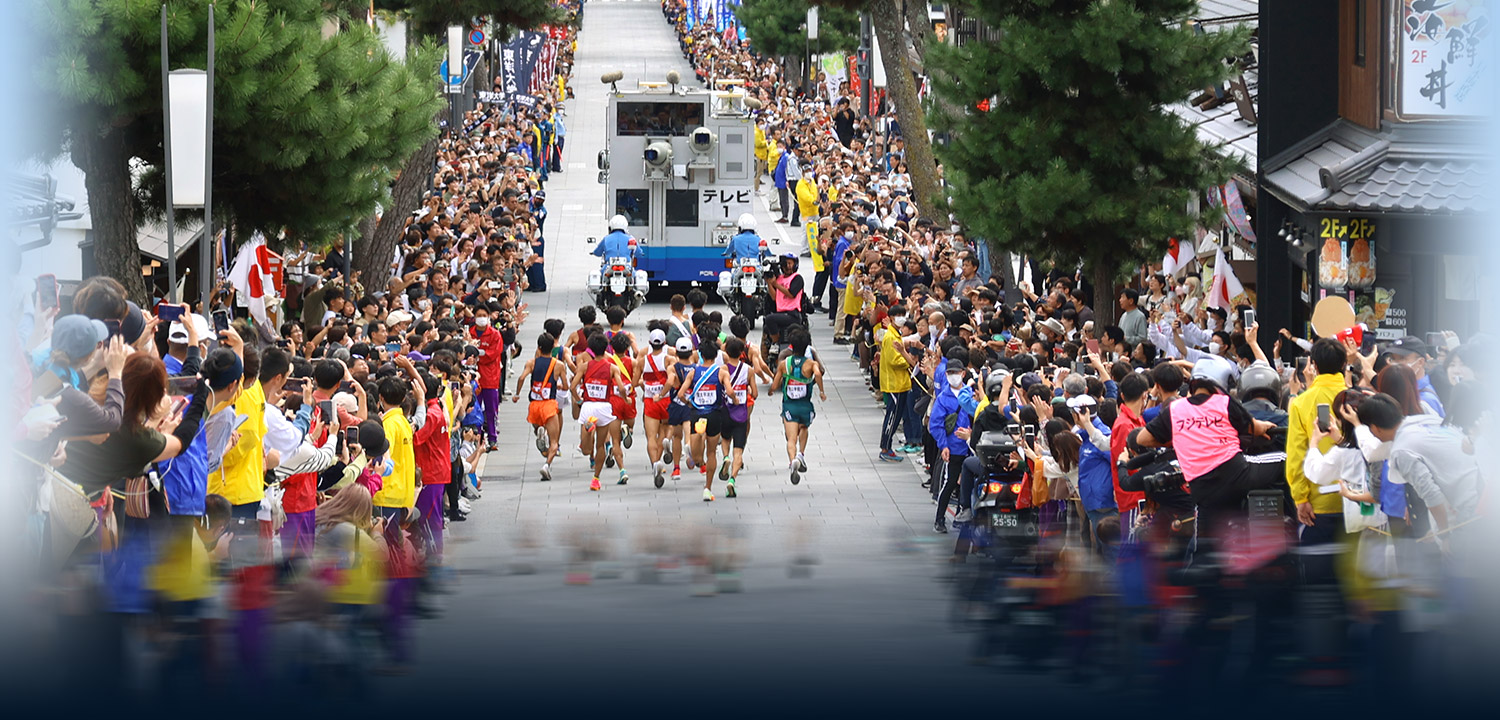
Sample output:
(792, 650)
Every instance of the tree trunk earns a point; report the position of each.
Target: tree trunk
(106, 167)
(377, 249)
(1002, 265)
(887, 20)
(919, 26)
(1102, 275)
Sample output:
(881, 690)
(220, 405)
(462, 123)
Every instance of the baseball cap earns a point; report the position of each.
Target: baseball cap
(397, 317)
(684, 344)
(134, 322)
(658, 338)
(78, 335)
(177, 333)
(1409, 345)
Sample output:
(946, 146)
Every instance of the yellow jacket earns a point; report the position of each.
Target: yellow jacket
(1302, 414)
(807, 197)
(773, 156)
(241, 478)
(760, 143)
(895, 371)
(400, 489)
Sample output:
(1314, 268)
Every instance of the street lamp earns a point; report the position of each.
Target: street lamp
(187, 100)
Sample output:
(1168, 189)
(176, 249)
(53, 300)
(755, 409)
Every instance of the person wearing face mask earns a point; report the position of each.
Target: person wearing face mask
(491, 358)
(1414, 354)
(949, 423)
(895, 384)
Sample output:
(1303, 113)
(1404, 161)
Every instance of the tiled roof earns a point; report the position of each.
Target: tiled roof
(1222, 128)
(1434, 186)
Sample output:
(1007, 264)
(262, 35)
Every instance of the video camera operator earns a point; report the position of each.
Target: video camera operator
(1204, 429)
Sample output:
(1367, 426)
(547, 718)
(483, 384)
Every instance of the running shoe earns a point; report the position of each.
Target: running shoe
(910, 449)
(624, 477)
(889, 456)
(729, 491)
(629, 438)
(940, 527)
(659, 476)
(676, 472)
(594, 485)
(690, 462)
(801, 462)
(546, 472)
(708, 495)
(541, 440)
(666, 455)
(724, 470)
(796, 476)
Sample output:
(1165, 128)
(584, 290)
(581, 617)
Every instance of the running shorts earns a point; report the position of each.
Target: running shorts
(601, 412)
(678, 414)
(736, 432)
(540, 411)
(798, 412)
(624, 407)
(713, 422)
(656, 408)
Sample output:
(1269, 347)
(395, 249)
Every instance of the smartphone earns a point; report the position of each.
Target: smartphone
(1081, 367)
(1434, 340)
(221, 320)
(1013, 429)
(1029, 434)
(1324, 417)
(493, 285)
(393, 348)
(1092, 345)
(325, 409)
(178, 403)
(346, 386)
(1249, 318)
(169, 313)
(294, 385)
(1140, 505)
(184, 385)
(453, 386)
(46, 292)
(1301, 364)
(114, 327)
(351, 436)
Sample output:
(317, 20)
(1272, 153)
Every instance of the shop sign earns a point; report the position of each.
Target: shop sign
(1443, 52)
(1346, 253)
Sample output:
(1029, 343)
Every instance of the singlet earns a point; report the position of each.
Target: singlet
(624, 368)
(580, 342)
(1202, 435)
(796, 387)
(706, 393)
(739, 378)
(685, 373)
(654, 376)
(597, 380)
(610, 335)
(544, 380)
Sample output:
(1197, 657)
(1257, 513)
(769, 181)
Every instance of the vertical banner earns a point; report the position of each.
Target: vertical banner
(1234, 207)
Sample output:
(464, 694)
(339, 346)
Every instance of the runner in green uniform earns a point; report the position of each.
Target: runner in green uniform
(795, 374)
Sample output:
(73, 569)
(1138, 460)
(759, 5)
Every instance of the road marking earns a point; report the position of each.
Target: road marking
(572, 208)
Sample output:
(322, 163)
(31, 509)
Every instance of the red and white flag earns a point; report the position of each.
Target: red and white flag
(255, 276)
(1225, 286)
(1171, 262)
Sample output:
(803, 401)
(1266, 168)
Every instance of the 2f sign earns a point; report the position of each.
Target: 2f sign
(730, 202)
(1418, 56)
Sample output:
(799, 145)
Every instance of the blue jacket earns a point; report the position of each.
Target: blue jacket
(838, 260)
(947, 403)
(746, 244)
(615, 244)
(1429, 396)
(1096, 481)
(779, 174)
(185, 478)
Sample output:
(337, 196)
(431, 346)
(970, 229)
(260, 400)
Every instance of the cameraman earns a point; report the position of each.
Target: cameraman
(1205, 428)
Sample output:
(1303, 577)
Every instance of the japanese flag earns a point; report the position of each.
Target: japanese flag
(254, 276)
(1170, 263)
(1225, 287)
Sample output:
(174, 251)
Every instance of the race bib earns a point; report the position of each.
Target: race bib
(739, 395)
(541, 392)
(704, 397)
(796, 391)
(653, 390)
(596, 391)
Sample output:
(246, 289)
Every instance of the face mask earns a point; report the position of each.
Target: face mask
(1181, 289)
(1370, 446)
(1213, 348)
(482, 322)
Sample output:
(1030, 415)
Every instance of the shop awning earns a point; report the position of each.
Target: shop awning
(1425, 168)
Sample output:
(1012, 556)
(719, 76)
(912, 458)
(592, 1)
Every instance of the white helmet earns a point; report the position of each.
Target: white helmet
(618, 222)
(1216, 370)
(747, 222)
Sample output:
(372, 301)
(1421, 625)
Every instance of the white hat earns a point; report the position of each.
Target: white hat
(397, 317)
(684, 344)
(347, 401)
(658, 337)
(177, 332)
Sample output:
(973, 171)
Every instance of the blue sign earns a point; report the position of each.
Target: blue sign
(471, 61)
(476, 37)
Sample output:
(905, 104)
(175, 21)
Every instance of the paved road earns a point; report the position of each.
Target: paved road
(872, 610)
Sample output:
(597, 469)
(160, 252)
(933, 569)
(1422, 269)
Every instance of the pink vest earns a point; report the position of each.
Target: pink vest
(791, 303)
(1202, 435)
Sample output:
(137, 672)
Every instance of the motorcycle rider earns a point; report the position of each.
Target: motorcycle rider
(746, 243)
(1205, 429)
(618, 243)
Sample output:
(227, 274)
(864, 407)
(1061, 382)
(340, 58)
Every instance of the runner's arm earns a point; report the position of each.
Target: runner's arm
(521, 378)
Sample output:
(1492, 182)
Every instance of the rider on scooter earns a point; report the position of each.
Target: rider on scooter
(786, 297)
(1204, 429)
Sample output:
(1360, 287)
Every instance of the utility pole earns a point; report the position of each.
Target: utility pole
(866, 67)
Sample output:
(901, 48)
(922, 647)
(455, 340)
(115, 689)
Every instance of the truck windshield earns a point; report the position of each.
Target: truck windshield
(657, 118)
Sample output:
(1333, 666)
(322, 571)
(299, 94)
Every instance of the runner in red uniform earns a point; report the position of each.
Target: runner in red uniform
(650, 376)
(592, 388)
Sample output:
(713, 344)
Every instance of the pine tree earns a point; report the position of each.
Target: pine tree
(777, 28)
(1076, 159)
(306, 128)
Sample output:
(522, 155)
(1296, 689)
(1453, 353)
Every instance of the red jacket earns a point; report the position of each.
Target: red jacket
(431, 446)
(492, 354)
(1118, 434)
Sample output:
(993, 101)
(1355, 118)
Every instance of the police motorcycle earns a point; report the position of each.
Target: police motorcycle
(749, 263)
(617, 282)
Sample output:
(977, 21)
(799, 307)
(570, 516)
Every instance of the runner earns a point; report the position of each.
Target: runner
(651, 371)
(679, 412)
(623, 349)
(740, 400)
(546, 374)
(592, 389)
(680, 323)
(740, 328)
(794, 372)
(705, 393)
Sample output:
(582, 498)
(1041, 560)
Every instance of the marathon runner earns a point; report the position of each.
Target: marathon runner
(623, 349)
(704, 392)
(679, 412)
(651, 372)
(592, 388)
(741, 399)
(795, 371)
(546, 374)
